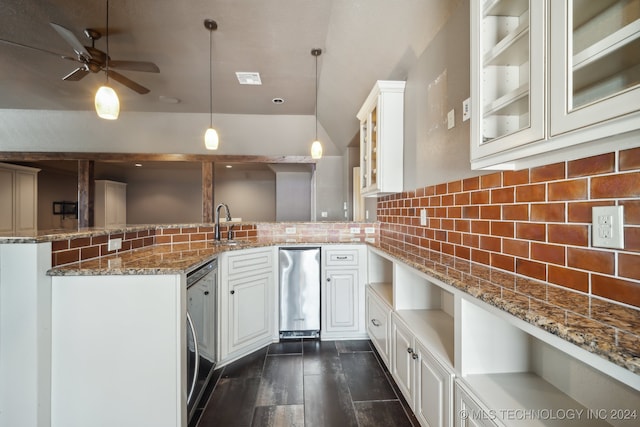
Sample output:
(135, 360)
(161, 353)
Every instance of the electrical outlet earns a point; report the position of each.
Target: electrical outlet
(324, 214)
(451, 119)
(369, 230)
(423, 217)
(290, 230)
(114, 244)
(607, 224)
(355, 230)
(466, 109)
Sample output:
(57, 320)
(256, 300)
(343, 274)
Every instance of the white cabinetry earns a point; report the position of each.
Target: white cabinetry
(552, 77)
(110, 204)
(342, 302)
(382, 139)
(118, 341)
(504, 367)
(18, 200)
(247, 302)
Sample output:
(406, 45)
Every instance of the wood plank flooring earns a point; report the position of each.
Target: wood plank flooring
(305, 383)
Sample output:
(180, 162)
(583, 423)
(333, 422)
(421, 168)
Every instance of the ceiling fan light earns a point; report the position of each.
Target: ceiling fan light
(211, 139)
(107, 103)
(316, 150)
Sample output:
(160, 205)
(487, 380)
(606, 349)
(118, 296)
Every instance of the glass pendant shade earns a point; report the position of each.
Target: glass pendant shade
(211, 139)
(107, 103)
(316, 150)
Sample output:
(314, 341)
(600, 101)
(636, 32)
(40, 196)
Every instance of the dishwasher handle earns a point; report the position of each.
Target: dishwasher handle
(197, 365)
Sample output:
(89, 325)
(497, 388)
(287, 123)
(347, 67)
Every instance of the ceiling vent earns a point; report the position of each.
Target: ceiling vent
(249, 78)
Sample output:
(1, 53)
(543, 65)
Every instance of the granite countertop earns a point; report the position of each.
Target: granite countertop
(611, 331)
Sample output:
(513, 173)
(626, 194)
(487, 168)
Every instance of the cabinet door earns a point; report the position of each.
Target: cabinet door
(201, 307)
(507, 74)
(595, 63)
(402, 363)
(434, 388)
(250, 309)
(342, 301)
(115, 204)
(378, 326)
(469, 413)
(26, 202)
(6, 202)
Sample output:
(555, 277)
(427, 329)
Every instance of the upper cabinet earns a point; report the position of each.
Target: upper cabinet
(382, 139)
(110, 204)
(552, 76)
(18, 200)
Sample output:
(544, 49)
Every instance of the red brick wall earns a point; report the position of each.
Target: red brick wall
(534, 222)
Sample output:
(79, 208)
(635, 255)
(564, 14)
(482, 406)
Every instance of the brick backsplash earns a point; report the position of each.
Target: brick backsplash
(534, 222)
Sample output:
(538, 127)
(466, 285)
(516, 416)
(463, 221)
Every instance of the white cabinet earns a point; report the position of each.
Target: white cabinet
(379, 321)
(382, 139)
(247, 301)
(118, 341)
(426, 383)
(551, 79)
(18, 200)
(342, 296)
(202, 309)
(110, 204)
(595, 64)
(469, 412)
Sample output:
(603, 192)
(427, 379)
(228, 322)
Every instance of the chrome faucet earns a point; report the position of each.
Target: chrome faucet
(217, 227)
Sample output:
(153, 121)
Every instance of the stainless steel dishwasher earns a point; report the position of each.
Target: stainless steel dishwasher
(299, 292)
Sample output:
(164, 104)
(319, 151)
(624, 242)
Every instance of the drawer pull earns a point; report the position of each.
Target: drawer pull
(376, 322)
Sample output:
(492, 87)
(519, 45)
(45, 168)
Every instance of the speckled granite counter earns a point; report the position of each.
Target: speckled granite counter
(611, 331)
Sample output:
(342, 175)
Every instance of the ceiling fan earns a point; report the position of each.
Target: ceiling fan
(93, 60)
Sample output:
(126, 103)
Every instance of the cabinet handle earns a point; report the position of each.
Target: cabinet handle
(414, 356)
(410, 350)
(232, 292)
(376, 322)
(328, 279)
(206, 292)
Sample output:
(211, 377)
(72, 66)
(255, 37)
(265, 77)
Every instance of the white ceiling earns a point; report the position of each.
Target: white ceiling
(362, 41)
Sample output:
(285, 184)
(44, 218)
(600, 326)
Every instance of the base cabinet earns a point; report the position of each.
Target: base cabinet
(470, 413)
(378, 324)
(342, 300)
(424, 382)
(247, 292)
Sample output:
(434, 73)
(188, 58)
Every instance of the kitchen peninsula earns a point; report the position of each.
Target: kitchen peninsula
(486, 311)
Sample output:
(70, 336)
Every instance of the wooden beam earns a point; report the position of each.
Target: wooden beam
(34, 156)
(85, 193)
(207, 192)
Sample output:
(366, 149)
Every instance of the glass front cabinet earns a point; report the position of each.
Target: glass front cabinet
(547, 75)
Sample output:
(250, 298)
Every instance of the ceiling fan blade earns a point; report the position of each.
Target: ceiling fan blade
(148, 67)
(70, 38)
(127, 82)
(76, 74)
(9, 42)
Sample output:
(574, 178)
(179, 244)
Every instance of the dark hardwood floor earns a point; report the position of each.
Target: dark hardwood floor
(307, 383)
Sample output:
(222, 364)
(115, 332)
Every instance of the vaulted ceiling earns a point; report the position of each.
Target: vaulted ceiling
(362, 41)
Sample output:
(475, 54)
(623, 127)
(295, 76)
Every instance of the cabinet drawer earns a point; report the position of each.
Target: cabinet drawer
(341, 257)
(249, 262)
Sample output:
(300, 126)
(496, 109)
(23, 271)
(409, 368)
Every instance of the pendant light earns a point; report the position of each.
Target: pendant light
(211, 139)
(106, 100)
(316, 146)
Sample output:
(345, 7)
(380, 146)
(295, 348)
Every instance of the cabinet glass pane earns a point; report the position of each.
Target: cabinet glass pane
(505, 67)
(374, 147)
(605, 57)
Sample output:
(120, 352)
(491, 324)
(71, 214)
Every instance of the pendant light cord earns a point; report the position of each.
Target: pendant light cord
(316, 97)
(107, 59)
(210, 78)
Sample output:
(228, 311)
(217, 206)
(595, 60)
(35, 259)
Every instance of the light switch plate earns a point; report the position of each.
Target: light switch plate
(423, 217)
(369, 230)
(114, 244)
(466, 109)
(355, 230)
(451, 119)
(607, 224)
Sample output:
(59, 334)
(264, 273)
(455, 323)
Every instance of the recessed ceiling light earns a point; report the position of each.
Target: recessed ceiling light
(277, 101)
(248, 78)
(168, 99)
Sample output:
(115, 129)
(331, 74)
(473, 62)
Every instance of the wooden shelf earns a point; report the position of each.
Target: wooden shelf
(434, 329)
(514, 103)
(519, 392)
